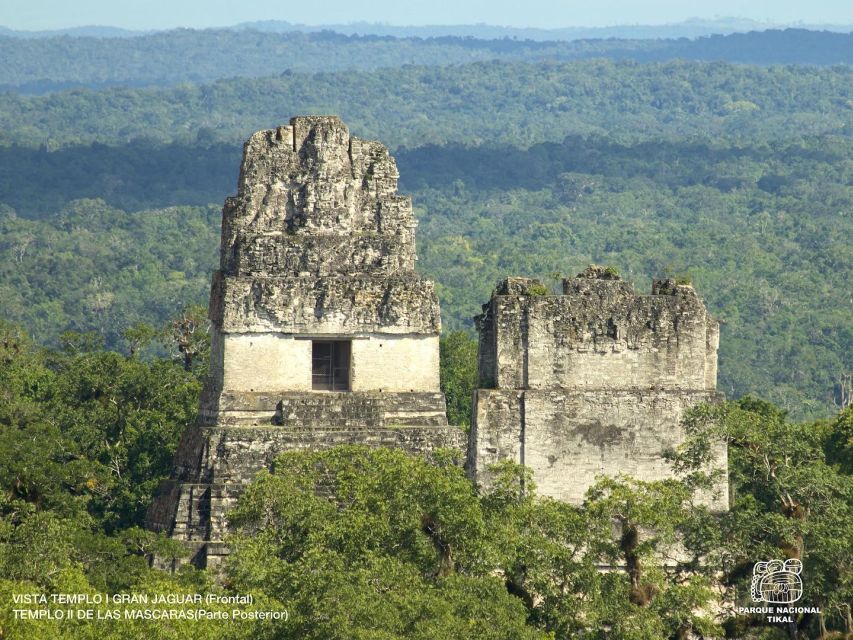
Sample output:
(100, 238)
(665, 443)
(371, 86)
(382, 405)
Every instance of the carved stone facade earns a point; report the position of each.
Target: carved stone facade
(591, 382)
(322, 331)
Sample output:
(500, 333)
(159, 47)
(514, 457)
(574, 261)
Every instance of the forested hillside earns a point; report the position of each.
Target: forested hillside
(40, 65)
(739, 178)
(514, 103)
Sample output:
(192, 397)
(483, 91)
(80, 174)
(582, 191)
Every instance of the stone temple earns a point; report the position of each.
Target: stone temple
(324, 334)
(322, 331)
(591, 382)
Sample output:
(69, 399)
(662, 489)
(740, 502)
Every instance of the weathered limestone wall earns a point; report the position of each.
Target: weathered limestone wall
(395, 363)
(569, 438)
(591, 382)
(327, 305)
(266, 362)
(597, 335)
(273, 362)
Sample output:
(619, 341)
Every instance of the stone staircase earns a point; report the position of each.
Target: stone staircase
(216, 462)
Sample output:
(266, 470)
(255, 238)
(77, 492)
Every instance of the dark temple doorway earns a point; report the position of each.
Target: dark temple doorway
(330, 365)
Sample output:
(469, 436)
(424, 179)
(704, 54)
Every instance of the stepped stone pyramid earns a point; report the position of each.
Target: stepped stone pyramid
(322, 331)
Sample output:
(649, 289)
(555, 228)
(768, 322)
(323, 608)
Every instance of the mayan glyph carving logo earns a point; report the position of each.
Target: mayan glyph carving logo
(777, 582)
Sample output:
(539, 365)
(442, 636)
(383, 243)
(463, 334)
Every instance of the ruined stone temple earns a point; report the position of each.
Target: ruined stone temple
(324, 334)
(322, 331)
(591, 382)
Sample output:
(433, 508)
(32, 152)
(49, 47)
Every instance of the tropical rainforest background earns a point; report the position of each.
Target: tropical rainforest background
(727, 160)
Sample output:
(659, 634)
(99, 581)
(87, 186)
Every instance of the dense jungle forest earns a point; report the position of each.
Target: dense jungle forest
(726, 161)
(738, 178)
(40, 65)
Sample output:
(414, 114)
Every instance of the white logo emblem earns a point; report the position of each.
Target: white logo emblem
(777, 582)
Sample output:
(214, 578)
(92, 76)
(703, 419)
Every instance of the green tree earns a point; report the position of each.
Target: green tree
(551, 554)
(790, 502)
(399, 552)
(188, 333)
(138, 336)
(458, 371)
(89, 431)
(121, 418)
(409, 544)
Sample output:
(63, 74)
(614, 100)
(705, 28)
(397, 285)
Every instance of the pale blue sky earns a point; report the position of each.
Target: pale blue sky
(159, 14)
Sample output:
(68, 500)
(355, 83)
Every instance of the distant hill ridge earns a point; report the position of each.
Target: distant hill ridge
(417, 105)
(691, 28)
(44, 65)
(87, 31)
